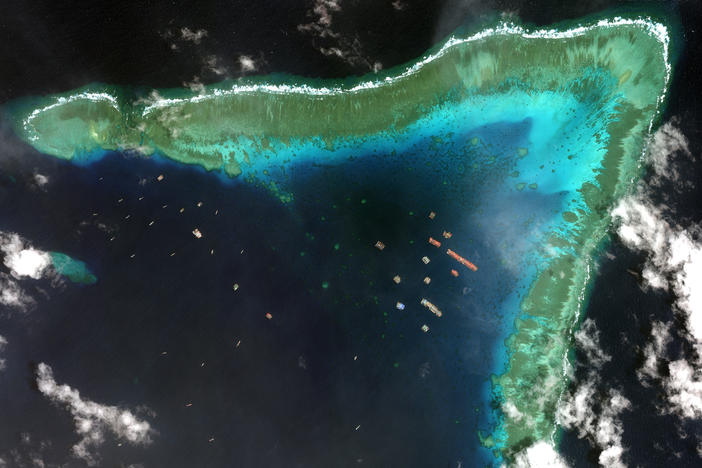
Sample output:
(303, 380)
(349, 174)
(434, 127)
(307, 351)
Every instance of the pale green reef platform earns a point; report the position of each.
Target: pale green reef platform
(75, 270)
(611, 76)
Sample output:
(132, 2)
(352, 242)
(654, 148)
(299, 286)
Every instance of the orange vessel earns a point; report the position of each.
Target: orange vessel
(461, 260)
(454, 273)
(434, 242)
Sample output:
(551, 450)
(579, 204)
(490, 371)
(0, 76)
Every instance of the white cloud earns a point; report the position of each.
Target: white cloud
(641, 226)
(424, 370)
(195, 85)
(40, 180)
(93, 420)
(213, 64)
(187, 34)
(609, 429)
(28, 262)
(329, 42)
(333, 51)
(398, 5)
(511, 411)
(575, 411)
(30, 453)
(590, 408)
(683, 385)
(190, 40)
(324, 8)
(684, 388)
(539, 455)
(3, 343)
(23, 260)
(668, 140)
(247, 64)
(674, 256)
(12, 294)
(153, 97)
(654, 350)
(588, 340)
(674, 263)
(578, 411)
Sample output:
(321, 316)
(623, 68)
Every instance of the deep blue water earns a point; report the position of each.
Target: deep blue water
(337, 354)
(52, 48)
(292, 393)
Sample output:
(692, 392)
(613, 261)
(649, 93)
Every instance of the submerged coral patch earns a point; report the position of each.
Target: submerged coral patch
(533, 134)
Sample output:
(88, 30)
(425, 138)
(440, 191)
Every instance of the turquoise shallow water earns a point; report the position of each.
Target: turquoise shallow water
(507, 167)
(498, 170)
(75, 270)
(507, 170)
(501, 171)
(460, 162)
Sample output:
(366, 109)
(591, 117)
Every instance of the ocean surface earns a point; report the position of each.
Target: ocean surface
(336, 354)
(339, 376)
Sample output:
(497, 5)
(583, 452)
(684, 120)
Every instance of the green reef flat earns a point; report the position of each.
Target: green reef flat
(75, 270)
(592, 94)
(225, 127)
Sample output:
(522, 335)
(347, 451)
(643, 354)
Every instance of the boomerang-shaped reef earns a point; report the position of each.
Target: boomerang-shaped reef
(582, 101)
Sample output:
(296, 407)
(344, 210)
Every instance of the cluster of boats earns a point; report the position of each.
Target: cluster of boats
(427, 280)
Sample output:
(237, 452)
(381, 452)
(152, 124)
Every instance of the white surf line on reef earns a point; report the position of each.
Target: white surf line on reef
(95, 97)
(567, 365)
(657, 30)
